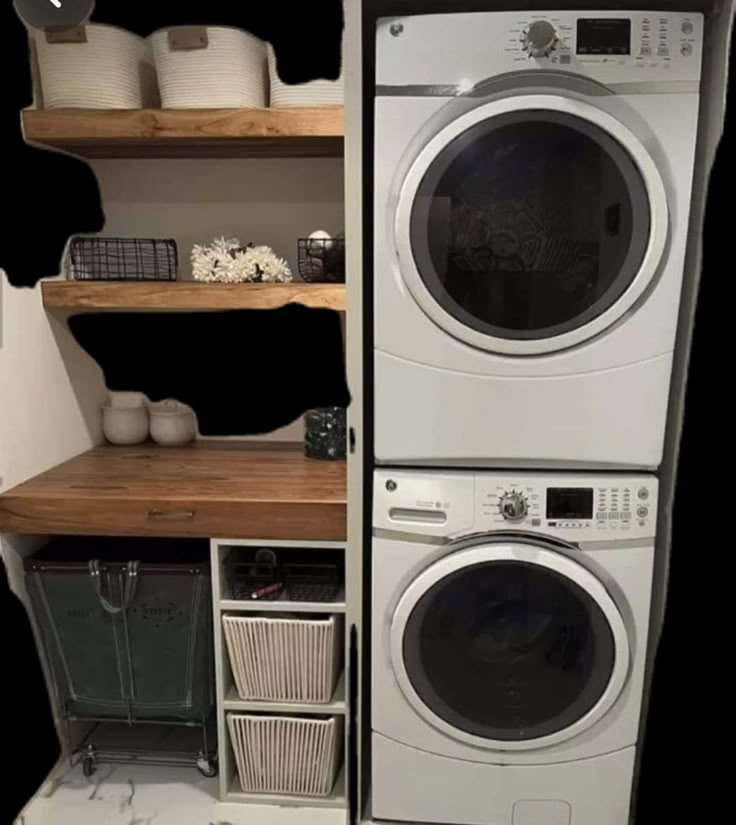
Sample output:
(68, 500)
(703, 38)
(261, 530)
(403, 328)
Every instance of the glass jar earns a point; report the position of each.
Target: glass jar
(325, 433)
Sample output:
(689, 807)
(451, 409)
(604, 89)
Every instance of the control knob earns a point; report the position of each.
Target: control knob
(540, 38)
(512, 506)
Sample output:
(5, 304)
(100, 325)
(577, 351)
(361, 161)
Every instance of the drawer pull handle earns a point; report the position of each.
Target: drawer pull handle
(174, 515)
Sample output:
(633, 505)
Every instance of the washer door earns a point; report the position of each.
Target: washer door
(509, 646)
(530, 224)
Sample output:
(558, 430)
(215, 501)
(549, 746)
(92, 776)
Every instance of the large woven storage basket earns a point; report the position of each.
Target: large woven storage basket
(312, 93)
(209, 68)
(286, 754)
(96, 67)
(283, 660)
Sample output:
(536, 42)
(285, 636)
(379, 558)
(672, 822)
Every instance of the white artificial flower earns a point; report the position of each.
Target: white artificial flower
(272, 268)
(225, 260)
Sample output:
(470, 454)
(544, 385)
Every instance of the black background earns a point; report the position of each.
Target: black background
(52, 197)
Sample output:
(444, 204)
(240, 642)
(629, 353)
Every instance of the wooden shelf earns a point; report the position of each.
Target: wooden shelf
(206, 133)
(187, 295)
(336, 799)
(336, 706)
(260, 490)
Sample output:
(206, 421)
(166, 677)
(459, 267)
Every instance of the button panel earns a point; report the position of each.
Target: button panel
(657, 41)
(612, 509)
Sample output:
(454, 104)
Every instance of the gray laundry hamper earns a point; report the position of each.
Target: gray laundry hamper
(126, 627)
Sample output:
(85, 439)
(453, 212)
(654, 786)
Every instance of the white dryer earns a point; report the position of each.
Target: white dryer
(532, 185)
(509, 638)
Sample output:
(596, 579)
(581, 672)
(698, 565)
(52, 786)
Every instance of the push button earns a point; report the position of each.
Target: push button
(642, 512)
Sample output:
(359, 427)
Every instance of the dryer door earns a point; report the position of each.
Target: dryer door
(530, 224)
(509, 646)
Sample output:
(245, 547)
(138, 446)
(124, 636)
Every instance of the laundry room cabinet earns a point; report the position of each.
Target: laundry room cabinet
(281, 662)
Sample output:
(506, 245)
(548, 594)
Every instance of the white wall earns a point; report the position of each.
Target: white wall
(263, 200)
(49, 389)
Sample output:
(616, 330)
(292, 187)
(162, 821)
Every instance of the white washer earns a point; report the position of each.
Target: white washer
(532, 179)
(510, 619)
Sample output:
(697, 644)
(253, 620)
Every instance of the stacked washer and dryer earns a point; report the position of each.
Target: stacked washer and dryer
(532, 182)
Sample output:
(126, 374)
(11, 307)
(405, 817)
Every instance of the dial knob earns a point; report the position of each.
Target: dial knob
(540, 38)
(513, 506)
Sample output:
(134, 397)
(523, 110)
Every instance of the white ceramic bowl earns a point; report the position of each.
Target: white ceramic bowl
(172, 424)
(125, 425)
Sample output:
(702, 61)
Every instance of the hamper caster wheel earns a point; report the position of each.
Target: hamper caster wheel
(89, 766)
(207, 766)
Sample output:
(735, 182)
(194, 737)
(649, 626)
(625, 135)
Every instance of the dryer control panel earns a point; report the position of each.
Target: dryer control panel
(572, 506)
(463, 49)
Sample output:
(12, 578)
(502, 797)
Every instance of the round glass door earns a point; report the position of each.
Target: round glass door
(509, 644)
(528, 226)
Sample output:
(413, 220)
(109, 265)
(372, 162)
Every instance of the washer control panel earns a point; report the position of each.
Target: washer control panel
(573, 506)
(615, 506)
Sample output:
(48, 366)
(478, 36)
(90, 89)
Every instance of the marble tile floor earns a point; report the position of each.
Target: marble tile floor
(153, 795)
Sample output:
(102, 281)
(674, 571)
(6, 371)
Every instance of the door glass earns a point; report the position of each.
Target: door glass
(530, 224)
(509, 651)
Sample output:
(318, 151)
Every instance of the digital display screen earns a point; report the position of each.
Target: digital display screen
(604, 36)
(569, 502)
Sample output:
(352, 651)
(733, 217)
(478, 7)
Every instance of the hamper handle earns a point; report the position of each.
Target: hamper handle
(129, 588)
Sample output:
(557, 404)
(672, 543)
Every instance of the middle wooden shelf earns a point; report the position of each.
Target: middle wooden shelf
(187, 295)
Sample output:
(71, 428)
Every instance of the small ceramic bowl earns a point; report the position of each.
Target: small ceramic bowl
(125, 425)
(172, 424)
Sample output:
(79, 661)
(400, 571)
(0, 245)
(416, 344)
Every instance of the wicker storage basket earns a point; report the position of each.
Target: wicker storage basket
(283, 660)
(96, 67)
(313, 93)
(286, 754)
(209, 67)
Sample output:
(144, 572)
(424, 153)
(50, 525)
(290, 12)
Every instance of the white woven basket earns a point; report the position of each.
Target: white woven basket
(286, 755)
(283, 660)
(113, 69)
(313, 93)
(226, 71)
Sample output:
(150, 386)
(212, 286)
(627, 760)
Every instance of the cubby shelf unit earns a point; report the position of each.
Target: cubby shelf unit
(227, 698)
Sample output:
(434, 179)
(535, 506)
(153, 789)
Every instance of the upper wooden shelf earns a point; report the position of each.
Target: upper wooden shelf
(187, 295)
(207, 133)
(261, 490)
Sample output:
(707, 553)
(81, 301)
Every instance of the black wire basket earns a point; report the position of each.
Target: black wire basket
(121, 259)
(322, 260)
(284, 574)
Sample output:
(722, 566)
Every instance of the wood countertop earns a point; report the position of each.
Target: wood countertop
(209, 489)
